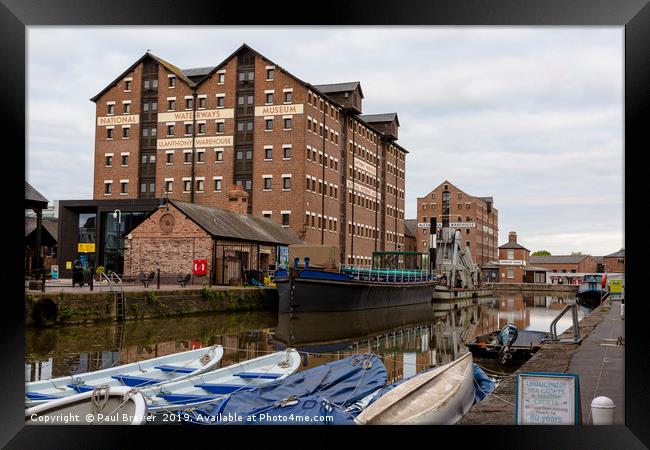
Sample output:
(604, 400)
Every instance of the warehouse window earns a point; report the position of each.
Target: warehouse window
(127, 108)
(221, 101)
(202, 102)
(269, 124)
(288, 97)
(168, 186)
(126, 132)
(268, 154)
(109, 133)
(125, 160)
(187, 185)
(111, 109)
(269, 74)
(189, 103)
(287, 124)
(286, 152)
(221, 78)
(124, 187)
(285, 219)
(170, 130)
(286, 183)
(201, 128)
(217, 184)
(172, 81)
(108, 188)
(109, 160)
(127, 85)
(511, 273)
(218, 155)
(220, 127)
(171, 105)
(269, 99)
(267, 183)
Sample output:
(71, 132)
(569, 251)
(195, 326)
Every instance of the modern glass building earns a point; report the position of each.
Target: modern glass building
(90, 232)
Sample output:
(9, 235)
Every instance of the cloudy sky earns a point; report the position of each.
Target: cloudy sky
(530, 116)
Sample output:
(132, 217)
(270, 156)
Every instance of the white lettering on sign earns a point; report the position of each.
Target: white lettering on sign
(451, 225)
(118, 120)
(365, 166)
(512, 262)
(547, 399)
(201, 142)
(360, 188)
(200, 115)
(278, 110)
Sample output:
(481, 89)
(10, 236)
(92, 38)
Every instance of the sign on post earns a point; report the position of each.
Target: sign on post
(547, 398)
(86, 247)
(615, 286)
(68, 265)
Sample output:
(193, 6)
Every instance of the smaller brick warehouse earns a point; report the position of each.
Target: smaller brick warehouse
(231, 242)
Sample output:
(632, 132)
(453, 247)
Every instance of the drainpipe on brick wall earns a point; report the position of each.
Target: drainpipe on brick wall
(376, 189)
(354, 199)
(322, 206)
(192, 187)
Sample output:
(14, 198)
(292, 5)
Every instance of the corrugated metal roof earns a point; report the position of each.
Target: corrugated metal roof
(339, 87)
(557, 259)
(32, 195)
(618, 254)
(228, 224)
(410, 227)
(198, 71)
(50, 225)
(384, 117)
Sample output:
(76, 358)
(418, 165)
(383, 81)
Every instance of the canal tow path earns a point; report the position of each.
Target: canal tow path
(598, 361)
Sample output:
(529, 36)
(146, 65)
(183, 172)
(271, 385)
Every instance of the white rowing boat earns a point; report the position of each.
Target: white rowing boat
(144, 373)
(438, 397)
(220, 383)
(117, 405)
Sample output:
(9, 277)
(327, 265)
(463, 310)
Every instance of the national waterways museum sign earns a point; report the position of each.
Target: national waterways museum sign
(278, 110)
(208, 114)
(199, 142)
(130, 119)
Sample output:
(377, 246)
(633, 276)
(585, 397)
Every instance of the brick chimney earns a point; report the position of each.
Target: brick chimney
(512, 237)
(238, 200)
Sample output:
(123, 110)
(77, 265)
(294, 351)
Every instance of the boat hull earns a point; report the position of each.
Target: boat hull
(312, 295)
(441, 396)
(591, 298)
(118, 405)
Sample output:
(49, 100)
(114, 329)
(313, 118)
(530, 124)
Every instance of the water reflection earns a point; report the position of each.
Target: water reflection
(408, 338)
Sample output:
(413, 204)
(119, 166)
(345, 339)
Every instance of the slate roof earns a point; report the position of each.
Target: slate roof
(378, 118)
(513, 245)
(339, 87)
(410, 227)
(557, 259)
(618, 254)
(487, 199)
(50, 225)
(32, 195)
(197, 72)
(228, 224)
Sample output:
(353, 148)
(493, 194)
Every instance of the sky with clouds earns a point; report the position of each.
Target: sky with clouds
(532, 116)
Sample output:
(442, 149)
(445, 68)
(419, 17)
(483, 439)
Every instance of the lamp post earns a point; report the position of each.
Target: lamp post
(117, 214)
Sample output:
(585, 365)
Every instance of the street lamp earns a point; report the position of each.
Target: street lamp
(117, 214)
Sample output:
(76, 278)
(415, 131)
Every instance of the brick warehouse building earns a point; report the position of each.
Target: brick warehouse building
(305, 154)
(476, 217)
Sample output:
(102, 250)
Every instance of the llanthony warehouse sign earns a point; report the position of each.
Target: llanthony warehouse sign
(199, 142)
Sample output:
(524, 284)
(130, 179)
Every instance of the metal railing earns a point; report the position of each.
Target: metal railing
(103, 276)
(574, 318)
(366, 273)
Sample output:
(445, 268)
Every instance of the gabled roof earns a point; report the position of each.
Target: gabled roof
(557, 259)
(32, 195)
(618, 254)
(50, 226)
(513, 245)
(410, 227)
(339, 87)
(380, 118)
(172, 68)
(228, 224)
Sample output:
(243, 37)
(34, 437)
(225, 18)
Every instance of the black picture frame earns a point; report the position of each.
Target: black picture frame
(633, 15)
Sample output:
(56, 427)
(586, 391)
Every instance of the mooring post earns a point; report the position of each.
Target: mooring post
(92, 277)
(158, 279)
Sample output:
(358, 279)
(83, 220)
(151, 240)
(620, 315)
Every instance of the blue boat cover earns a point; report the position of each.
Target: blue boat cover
(483, 384)
(308, 397)
(177, 369)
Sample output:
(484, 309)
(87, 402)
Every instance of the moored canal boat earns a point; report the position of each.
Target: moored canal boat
(393, 279)
(592, 291)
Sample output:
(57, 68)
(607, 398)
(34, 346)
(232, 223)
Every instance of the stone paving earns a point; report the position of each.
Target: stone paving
(600, 369)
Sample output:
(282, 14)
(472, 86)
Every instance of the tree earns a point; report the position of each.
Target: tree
(541, 253)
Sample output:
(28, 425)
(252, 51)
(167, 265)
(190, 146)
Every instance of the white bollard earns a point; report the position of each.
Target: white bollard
(602, 411)
(622, 309)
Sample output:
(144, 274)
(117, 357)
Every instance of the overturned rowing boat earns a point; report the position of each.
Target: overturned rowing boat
(144, 373)
(440, 396)
(117, 405)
